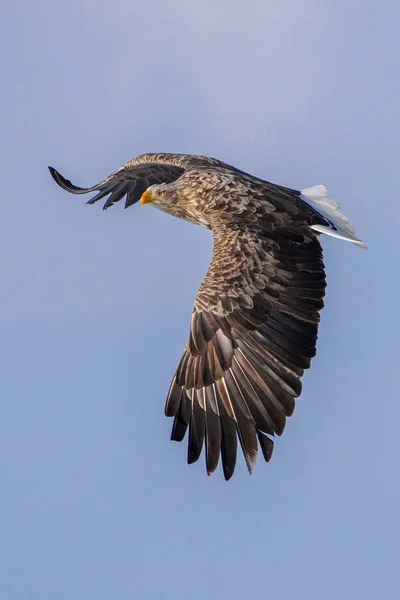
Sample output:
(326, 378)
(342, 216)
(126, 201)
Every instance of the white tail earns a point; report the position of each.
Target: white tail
(317, 197)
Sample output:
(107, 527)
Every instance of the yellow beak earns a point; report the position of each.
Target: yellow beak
(147, 198)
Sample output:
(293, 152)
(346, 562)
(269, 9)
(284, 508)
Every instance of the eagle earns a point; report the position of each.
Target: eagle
(254, 325)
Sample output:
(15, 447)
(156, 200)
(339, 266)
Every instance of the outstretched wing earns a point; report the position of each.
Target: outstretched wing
(253, 332)
(131, 180)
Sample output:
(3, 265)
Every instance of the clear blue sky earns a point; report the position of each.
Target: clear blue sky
(96, 502)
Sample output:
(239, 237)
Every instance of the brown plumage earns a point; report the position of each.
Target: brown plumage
(254, 325)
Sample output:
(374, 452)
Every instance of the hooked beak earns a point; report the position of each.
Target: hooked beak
(147, 198)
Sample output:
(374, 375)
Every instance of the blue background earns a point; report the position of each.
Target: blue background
(95, 501)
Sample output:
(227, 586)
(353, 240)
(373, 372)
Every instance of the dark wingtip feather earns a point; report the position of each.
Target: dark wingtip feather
(197, 428)
(179, 429)
(266, 444)
(66, 184)
(173, 400)
(228, 444)
(213, 440)
(181, 421)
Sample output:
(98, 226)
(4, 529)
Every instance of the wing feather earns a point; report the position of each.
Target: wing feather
(266, 445)
(182, 418)
(213, 437)
(228, 439)
(197, 428)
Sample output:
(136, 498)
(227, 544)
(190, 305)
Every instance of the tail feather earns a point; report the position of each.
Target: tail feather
(339, 225)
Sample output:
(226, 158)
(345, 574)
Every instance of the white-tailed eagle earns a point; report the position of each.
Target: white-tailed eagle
(254, 324)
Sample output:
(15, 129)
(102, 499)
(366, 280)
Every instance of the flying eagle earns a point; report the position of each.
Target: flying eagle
(254, 325)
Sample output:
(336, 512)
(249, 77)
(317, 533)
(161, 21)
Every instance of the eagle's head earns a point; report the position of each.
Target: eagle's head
(160, 193)
(177, 200)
